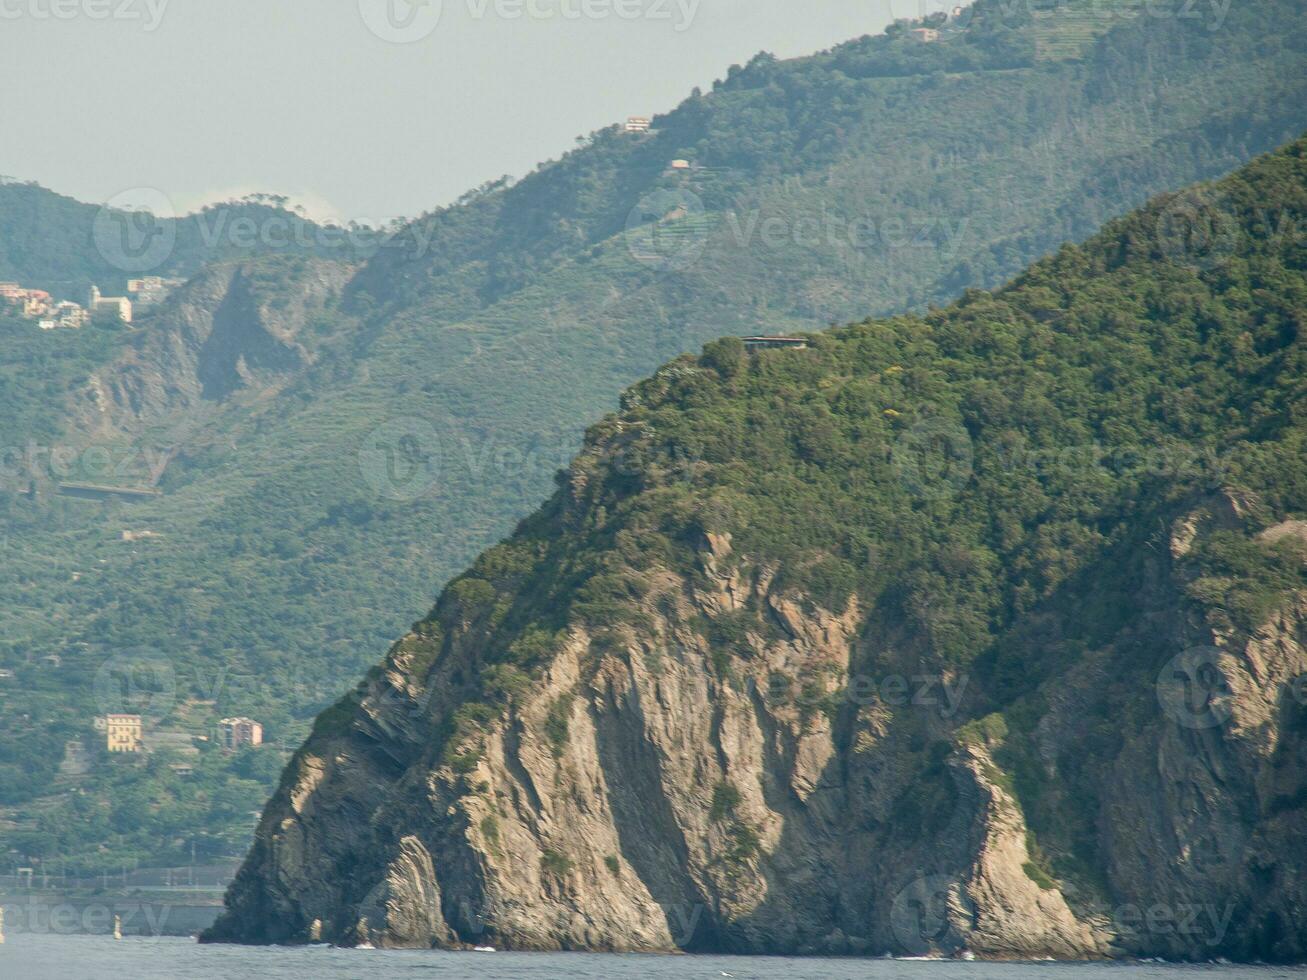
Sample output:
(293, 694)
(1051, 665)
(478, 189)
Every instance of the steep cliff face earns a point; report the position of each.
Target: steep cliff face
(980, 631)
(649, 793)
(234, 328)
(1208, 806)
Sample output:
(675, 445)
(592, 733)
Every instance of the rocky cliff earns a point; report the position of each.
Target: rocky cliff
(648, 794)
(236, 328)
(979, 631)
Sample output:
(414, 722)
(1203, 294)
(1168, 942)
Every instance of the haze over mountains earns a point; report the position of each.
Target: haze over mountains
(344, 431)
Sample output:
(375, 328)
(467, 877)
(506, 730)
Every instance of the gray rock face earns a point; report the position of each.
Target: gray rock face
(224, 333)
(783, 795)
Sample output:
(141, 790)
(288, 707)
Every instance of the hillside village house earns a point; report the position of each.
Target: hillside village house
(122, 733)
(67, 314)
(924, 34)
(150, 290)
(637, 124)
(38, 305)
(34, 302)
(121, 306)
(235, 732)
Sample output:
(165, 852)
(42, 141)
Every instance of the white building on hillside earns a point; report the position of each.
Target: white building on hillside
(119, 305)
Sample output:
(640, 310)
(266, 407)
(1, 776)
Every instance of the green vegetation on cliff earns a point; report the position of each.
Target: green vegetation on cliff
(956, 469)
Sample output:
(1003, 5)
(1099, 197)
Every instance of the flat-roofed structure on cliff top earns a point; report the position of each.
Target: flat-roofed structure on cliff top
(772, 343)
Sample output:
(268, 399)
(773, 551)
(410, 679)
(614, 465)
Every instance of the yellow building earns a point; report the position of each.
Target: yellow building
(122, 733)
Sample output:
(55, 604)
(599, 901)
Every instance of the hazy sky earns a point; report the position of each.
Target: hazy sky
(361, 109)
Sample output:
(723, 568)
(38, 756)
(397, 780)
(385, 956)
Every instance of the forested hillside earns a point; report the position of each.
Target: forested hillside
(53, 242)
(334, 435)
(977, 629)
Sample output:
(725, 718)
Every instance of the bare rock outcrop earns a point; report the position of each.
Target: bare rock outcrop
(662, 787)
(223, 333)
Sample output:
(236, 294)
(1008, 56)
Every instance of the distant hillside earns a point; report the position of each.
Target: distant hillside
(973, 631)
(333, 439)
(52, 242)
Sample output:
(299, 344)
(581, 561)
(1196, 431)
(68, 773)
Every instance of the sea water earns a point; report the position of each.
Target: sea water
(30, 956)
